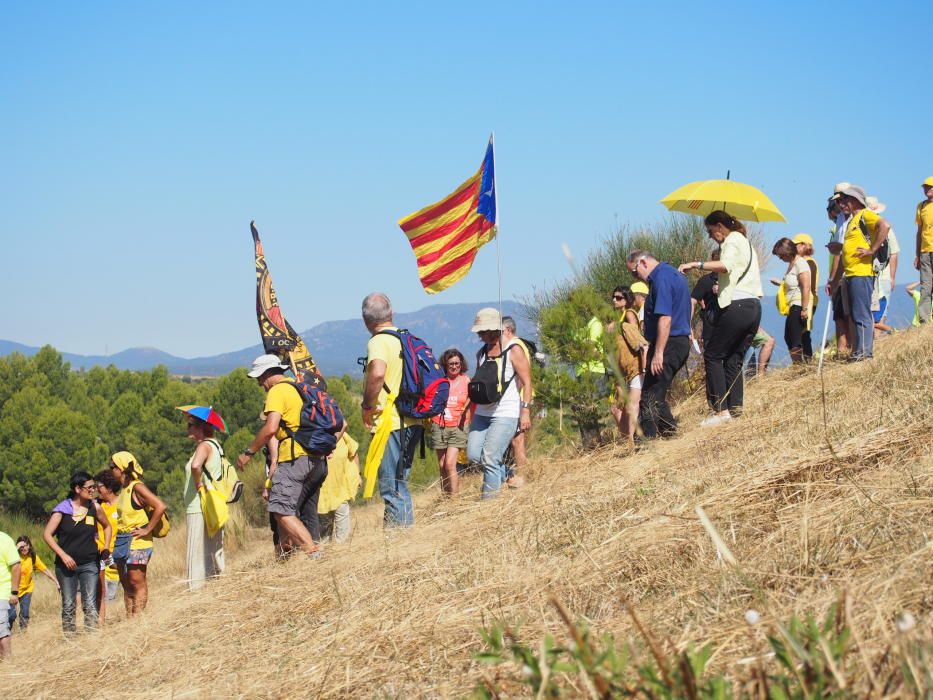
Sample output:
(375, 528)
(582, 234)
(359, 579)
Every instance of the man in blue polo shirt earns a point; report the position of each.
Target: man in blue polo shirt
(667, 328)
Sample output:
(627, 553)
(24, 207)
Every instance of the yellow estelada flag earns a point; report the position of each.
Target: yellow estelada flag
(377, 447)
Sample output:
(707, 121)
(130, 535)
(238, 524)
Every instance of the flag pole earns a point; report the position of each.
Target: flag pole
(495, 194)
(829, 311)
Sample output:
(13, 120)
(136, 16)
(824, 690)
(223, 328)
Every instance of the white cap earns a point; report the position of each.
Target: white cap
(263, 364)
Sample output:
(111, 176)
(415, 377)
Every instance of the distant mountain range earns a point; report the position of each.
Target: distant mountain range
(335, 345)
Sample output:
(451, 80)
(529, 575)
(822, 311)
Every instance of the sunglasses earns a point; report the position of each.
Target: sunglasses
(617, 297)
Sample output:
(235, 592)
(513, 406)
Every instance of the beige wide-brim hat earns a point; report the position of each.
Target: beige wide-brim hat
(487, 319)
(856, 192)
(876, 206)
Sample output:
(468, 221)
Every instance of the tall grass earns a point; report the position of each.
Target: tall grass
(810, 494)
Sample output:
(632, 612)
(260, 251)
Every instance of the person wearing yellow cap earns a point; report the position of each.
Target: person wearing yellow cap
(797, 288)
(924, 259)
(138, 513)
(640, 290)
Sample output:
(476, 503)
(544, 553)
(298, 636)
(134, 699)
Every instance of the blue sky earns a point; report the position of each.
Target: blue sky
(139, 139)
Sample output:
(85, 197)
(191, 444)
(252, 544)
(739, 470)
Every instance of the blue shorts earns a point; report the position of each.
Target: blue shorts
(882, 307)
(121, 548)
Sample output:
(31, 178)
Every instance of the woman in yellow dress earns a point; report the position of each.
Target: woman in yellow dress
(339, 488)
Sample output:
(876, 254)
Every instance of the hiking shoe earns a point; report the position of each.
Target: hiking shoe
(716, 419)
(516, 482)
(316, 555)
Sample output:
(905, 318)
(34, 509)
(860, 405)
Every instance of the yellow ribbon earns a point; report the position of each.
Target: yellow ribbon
(377, 446)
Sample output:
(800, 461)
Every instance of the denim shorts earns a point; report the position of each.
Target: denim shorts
(121, 548)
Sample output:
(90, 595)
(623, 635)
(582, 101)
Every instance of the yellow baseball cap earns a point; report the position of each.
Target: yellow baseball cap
(639, 288)
(928, 182)
(803, 238)
(124, 460)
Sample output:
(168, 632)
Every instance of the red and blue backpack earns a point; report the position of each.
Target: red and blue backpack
(320, 421)
(424, 388)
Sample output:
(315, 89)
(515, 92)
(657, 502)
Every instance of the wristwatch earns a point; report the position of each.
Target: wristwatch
(248, 452)
(526, 404)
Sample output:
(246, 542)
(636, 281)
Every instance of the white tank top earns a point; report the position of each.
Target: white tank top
(510, 405)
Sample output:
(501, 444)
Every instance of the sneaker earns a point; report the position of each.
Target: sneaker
(516, 482)
(716, 419)
(316, 554)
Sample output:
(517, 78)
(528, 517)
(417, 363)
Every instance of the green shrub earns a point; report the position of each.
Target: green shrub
(808, 659)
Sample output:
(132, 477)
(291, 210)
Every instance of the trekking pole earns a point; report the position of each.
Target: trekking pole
(829, 312)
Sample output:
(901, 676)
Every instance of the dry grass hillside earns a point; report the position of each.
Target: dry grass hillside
(813, 493)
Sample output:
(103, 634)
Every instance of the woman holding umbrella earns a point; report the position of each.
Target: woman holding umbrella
(205, 554)
(736, 322)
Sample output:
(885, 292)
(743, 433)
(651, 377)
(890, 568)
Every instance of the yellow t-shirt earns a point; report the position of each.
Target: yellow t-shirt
(388, 349)
(110, 510)
(853, 264)
(343, 476)
(287, 402)
(26, 582)
(129, 517)
(925, 221)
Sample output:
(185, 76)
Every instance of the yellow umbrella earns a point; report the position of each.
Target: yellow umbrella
(742, 201)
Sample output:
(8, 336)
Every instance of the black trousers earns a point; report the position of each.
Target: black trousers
(724, 355)
(796, 334)
(794, 327)
(654, 412)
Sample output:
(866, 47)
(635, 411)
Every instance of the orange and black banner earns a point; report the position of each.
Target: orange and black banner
(278, 336)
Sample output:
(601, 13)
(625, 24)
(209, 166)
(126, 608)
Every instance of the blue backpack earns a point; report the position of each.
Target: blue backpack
(321, 420)
(424, 389)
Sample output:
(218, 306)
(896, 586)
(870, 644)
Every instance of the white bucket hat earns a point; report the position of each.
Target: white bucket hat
(876, 206)
(487, 319)
(263, 364)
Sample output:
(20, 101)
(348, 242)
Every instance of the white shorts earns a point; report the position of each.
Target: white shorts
(4, 618)
(636, 382)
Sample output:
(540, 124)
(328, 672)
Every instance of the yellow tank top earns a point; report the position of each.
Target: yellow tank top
(129, 517)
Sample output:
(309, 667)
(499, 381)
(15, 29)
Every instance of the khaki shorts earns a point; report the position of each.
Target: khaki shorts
(442, 438)
(761, 337)
(287, 483)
